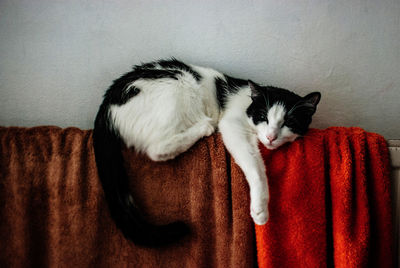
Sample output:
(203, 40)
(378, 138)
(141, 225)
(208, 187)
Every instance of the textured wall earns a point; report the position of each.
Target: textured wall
(58, 57)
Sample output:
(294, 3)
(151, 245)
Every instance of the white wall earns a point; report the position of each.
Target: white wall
(58, 57)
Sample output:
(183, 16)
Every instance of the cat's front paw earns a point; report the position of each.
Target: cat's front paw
(259, 212)
(206, 127)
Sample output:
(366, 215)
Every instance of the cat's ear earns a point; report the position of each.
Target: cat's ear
(309, 104)
(255, 92)
(312, 98)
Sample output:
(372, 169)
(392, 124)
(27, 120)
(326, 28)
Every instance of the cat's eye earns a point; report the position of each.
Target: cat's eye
(265, 118)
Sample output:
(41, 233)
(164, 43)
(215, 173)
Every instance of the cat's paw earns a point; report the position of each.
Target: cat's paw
(157, 156)
(160, 157)
(259, 212)
(206, 127)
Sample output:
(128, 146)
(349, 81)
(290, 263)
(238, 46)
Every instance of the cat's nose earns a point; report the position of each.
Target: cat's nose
(272, 137)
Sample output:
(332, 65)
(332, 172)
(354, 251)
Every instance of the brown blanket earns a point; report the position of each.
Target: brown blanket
(53, 212)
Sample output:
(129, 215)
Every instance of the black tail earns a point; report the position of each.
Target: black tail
(123, 210)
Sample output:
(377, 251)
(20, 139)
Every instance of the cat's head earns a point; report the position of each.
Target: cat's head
(278, 115)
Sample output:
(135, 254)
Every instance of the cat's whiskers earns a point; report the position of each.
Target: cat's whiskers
(246, 131)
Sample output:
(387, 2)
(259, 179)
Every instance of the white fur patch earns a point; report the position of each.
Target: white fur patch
(274, 134)
(276, 116)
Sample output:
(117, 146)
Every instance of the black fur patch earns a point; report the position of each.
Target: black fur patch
(129, 93)
(176, 64)
(171, 64)
(157, 74)
(228, 87)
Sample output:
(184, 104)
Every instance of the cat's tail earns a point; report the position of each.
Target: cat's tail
(113, 177)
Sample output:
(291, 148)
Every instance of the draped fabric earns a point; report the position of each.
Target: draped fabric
(329, 206)
(53, 212)
(330, 202)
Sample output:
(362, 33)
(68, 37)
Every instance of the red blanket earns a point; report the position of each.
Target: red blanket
(330, 202)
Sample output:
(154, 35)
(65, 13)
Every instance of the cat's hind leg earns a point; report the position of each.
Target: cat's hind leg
(172, 146)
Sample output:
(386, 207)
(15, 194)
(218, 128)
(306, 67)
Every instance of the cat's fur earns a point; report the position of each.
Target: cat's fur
(162, 108)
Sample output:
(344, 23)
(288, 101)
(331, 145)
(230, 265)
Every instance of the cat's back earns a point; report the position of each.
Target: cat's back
(173, 76)
(168, 97)
(173, 86)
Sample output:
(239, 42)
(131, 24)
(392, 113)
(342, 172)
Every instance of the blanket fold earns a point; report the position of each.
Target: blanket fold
(330, 202)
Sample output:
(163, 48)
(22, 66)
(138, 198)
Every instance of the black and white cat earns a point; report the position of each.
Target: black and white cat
(162, 108)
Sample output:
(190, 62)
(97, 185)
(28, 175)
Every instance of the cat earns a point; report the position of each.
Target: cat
(163, 107)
